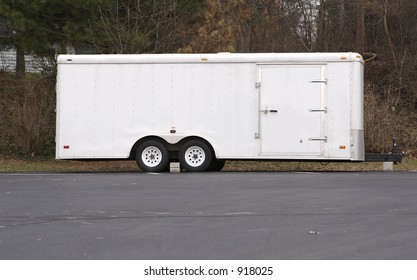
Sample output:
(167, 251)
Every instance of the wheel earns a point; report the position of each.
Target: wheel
(195, 156)
(217, 165)
(152, 156)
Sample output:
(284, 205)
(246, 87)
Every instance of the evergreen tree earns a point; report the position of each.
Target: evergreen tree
(45, 27)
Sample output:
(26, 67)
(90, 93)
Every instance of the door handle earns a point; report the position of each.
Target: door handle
(266, 111)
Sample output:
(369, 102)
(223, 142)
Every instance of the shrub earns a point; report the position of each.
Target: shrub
(388, 116)
(27, 117)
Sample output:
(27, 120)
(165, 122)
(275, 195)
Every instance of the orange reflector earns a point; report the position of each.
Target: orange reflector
(66, 147)
(343, 58)
(342, 147)
(204, 58)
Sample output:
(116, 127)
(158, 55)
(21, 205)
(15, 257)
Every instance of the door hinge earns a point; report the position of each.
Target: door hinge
(318, 139)
(257, 84)
(257, 136)
(318, 81)
(318, 110)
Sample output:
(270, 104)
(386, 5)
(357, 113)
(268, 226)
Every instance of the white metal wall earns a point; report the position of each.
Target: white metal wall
(104, 108)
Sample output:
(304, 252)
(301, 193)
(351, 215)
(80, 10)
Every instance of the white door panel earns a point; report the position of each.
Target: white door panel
(292, 109)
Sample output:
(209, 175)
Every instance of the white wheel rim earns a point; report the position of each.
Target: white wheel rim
(151, 156)
(195, 156)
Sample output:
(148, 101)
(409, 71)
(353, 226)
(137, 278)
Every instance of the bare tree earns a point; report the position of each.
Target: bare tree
(134, 26)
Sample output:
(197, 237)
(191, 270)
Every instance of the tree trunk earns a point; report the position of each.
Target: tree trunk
(360, 27)
(20, 63)
(387, 33)
(321, 41)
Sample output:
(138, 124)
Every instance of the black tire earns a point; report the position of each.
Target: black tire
(195, 156)
(217, 165)
(152, 156)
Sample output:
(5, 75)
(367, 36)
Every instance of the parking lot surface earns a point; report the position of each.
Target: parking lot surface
(225, 215)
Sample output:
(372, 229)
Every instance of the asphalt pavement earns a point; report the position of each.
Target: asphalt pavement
(225, 215)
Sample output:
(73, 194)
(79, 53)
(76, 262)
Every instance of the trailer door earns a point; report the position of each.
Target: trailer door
(292, 109)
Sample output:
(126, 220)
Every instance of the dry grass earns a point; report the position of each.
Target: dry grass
(50, 165)
(410, 164)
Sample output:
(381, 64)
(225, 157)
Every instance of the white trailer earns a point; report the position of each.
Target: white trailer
(202, 109)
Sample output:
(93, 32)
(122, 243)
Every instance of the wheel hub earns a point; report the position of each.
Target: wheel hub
(151, 156)
(195, 156)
